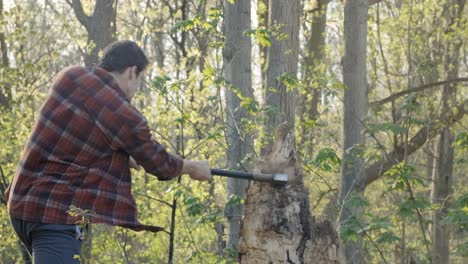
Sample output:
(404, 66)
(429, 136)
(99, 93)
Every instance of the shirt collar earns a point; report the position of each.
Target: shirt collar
(109, 80)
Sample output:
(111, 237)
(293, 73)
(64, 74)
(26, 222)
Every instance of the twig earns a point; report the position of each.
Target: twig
(152, 198)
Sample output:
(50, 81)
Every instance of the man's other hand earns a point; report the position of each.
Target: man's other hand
(197, 169)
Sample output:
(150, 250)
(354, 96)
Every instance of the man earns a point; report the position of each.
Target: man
(78, 156)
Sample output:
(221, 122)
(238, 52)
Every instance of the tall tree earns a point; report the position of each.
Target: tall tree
(282, 64)
(442, 180)
(237, 73)
(101, 26)
(355, 109)
(3, 46)
(313, 73)
(5, 93)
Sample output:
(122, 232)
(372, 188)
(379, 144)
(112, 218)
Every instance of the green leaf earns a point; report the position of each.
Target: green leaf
(234, 200)
(289, 81)
(186, 25)
(457, 217)
(381, 222)
(159, 83)
(261, 34)
(231, 252)
(463, 200)
(461, 141)
(462, 250)
(214, 13)
(404, 174)
(356, 201)
(387, 237)
(326, 159)
(349, 230)
(209, 71)
(194, 206)
(385, 127)
(407, 209)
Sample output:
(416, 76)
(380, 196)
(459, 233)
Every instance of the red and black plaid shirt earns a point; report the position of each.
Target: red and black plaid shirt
(78, 154)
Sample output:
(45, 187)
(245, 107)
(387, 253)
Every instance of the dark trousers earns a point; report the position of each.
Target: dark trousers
(49, 243)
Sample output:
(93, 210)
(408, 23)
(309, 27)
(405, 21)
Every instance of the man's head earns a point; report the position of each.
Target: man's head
(125, 60)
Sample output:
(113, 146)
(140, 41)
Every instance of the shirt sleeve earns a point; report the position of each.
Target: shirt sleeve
(128, 130)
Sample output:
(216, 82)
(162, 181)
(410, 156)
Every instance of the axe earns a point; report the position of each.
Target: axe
(277, 178)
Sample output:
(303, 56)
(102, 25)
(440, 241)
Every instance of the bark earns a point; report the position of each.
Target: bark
(237, 72)
(277, 226)
(101, 26)
(355, 110)
(443, 173)
(282, 61)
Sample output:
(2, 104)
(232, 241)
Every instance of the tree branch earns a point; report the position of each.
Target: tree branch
(376, 170)
(79, 12)
(152, 198)
(395, 96)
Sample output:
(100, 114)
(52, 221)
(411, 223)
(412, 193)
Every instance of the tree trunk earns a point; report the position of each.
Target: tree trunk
(3, 46)
(237, 72)
(282, 62)
(314, 58)
(355, 110)
(101, 26)
(5, 91)
(443, 173)
(277, 226)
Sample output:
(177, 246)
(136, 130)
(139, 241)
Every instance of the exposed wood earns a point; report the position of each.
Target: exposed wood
(277, 226)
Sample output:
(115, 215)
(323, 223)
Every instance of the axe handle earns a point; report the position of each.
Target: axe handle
(243, 175)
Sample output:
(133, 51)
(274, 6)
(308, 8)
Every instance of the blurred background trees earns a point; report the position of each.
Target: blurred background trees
(390, 176)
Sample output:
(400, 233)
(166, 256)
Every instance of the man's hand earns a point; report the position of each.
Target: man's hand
(197, 169)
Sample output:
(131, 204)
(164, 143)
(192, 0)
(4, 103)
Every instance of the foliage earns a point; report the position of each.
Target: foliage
(183, 100)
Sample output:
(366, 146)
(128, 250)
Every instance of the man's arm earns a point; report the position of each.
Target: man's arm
(197, 170)
(128, 130)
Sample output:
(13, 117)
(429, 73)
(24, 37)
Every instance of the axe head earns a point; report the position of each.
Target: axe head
(280, 178)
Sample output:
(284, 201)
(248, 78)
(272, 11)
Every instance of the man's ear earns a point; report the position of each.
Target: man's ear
(133, 72)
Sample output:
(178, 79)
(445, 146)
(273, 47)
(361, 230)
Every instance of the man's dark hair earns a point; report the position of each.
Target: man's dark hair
(120, 55)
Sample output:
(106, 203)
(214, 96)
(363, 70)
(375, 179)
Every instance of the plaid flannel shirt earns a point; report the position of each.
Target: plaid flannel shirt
(78, 154)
